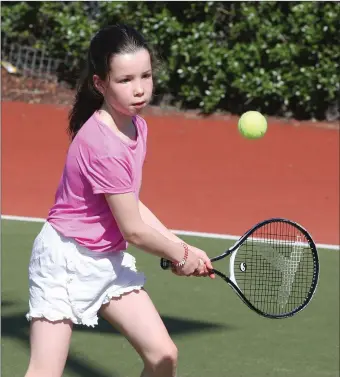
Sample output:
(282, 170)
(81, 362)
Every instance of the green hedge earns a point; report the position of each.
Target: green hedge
(281, 58)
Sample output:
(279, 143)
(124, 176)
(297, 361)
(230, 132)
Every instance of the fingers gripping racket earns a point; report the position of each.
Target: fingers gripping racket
(273, 267)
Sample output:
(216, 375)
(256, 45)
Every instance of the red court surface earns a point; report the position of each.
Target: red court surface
(199, 175)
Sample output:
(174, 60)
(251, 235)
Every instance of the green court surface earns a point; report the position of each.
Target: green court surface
(216, 334)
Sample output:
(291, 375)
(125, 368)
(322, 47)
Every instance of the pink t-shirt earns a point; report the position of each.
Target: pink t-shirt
(98, 161)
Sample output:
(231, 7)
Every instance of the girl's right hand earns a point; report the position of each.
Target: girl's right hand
(193, 264)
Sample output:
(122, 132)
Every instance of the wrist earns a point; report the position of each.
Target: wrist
(182, 262)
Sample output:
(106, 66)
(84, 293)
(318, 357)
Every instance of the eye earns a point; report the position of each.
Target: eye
(146, 75)
(124, 81)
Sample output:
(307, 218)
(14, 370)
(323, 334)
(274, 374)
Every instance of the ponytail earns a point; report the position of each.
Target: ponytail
(87, 101)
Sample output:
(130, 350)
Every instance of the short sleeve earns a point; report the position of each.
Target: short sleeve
(110, 175)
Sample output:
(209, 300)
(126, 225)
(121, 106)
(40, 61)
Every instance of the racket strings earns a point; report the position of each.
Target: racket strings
(278, 268)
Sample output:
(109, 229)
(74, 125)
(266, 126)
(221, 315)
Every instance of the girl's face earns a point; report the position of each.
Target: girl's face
(129, 85)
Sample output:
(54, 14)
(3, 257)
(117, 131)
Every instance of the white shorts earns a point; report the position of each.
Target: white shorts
(69, 281)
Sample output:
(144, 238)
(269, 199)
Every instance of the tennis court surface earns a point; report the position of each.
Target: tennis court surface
(217, 335)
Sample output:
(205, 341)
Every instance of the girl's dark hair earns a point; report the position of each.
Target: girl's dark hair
(109, 41)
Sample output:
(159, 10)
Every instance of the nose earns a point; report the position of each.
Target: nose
(138, 90)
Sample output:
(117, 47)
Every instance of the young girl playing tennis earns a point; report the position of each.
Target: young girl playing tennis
(79, 266)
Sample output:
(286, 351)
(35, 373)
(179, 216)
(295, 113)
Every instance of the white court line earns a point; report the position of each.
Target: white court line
(179, 232)
(23, 218)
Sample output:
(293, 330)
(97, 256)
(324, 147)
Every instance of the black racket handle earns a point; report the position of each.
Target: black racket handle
(165, 264)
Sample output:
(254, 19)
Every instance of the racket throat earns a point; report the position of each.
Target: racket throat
(232, 270)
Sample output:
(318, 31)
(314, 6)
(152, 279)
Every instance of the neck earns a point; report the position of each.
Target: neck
(121, 124)
(115, 119)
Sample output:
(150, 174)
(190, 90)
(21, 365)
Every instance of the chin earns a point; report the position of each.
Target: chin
(128, 111)
(137, 110)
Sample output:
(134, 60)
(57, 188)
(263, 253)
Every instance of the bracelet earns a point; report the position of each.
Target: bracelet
(186, 254)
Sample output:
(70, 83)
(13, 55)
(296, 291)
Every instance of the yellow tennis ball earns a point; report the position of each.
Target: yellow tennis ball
(252, 125)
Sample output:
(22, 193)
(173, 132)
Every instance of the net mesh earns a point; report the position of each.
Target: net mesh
(275, 268)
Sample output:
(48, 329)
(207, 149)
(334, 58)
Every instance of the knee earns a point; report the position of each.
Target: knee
(163, 359)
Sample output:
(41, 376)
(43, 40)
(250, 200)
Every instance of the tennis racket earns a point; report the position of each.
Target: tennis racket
(273, 267)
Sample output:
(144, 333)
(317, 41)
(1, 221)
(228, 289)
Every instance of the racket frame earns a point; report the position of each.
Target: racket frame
(232, 281)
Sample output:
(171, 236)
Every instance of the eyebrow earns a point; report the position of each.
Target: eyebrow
(131, 75)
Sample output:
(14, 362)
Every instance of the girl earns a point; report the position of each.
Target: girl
(79, 266)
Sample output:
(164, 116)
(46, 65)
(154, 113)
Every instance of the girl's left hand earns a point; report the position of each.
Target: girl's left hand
(208, 267)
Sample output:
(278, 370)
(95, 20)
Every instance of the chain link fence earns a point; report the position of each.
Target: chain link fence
(29, 61)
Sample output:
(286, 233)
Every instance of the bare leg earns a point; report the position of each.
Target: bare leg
(135, 316)
(50, 343)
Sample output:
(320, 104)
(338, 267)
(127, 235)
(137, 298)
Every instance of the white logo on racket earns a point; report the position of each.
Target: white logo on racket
(288, 267)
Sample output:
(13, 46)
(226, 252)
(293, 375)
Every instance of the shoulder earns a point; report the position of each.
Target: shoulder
(98, 141)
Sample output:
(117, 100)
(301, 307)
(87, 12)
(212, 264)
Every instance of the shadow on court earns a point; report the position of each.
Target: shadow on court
(175, 325)
(16, 326)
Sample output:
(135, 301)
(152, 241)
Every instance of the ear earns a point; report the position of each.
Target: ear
(98, 84)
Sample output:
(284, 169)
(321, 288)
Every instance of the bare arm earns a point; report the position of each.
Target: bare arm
(150, 219)
(125, 209)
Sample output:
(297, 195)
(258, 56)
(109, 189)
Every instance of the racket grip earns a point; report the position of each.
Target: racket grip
(165, 264)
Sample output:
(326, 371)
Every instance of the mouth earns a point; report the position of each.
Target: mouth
(139, 104)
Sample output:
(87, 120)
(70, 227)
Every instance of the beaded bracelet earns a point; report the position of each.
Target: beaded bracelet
(186, 254)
